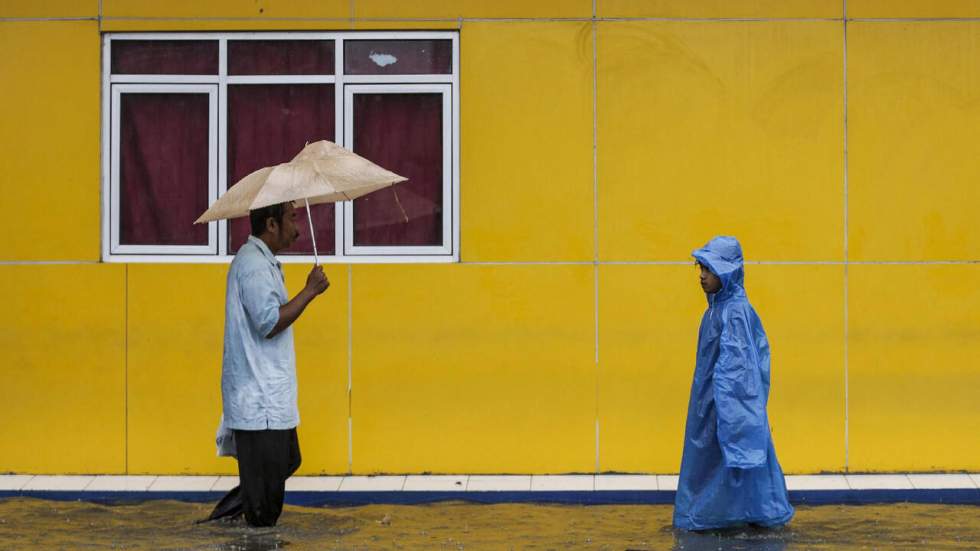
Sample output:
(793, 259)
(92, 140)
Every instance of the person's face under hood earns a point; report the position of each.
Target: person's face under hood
(710, 283)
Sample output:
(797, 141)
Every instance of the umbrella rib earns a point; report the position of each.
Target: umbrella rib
(399, 203)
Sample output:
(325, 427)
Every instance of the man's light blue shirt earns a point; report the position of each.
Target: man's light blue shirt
(258, 375)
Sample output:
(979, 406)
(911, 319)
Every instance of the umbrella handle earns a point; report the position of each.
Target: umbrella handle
(309, 218)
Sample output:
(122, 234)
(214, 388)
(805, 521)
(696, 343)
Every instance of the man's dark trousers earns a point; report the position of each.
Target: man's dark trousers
(266, 458)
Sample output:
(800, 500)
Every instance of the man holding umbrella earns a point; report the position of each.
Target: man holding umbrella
(258, 375)
(258, 372)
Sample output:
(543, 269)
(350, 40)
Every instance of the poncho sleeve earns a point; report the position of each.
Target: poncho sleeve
(740, 397)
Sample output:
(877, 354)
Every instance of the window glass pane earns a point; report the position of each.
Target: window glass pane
(163, 169)
(403, 133)
(165, 57)
(280, 57)
(398, 57)
(269, 124)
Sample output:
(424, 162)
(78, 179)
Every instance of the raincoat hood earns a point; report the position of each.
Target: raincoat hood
(723, 256)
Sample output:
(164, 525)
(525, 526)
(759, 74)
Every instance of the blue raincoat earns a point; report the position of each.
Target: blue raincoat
(729, 472)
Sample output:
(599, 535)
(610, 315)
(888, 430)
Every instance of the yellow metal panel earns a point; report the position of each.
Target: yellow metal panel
(913, 8)
(62, 352)
(913, 124)
(50, 136)
(648, 326)
(49, 8)
(408, 25)
(914, 340)
(802, 311)
(473, 369)
(217, 9)
(226, 15)
(708, 128)
(321, 371)
(250, 24)
(472, 8)
(648, 329)
(176, 328)
(719, 8)
(527, 141)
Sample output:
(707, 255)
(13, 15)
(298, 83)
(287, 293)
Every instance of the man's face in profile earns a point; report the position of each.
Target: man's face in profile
(286, 233)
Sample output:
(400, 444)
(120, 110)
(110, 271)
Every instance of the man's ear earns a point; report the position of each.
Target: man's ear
(271, 225)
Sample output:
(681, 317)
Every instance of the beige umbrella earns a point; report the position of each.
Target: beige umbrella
(323, 172)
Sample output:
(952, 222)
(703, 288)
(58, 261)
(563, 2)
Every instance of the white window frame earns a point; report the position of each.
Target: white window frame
(217, 252)
(115, 248)
(445, 90)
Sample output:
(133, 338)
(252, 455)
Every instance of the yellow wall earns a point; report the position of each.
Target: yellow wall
(483, 368)
(537, 153)
(708, 127)
(595, 155)
(914, 344)
(63, 358)
(50, 138)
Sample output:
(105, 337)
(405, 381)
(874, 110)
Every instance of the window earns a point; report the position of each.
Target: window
(187, 115)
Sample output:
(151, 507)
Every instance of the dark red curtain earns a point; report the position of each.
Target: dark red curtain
(403, 133)
(163, 169)
(269, 124)
(398, 57)
(280, 57)
(165, 57)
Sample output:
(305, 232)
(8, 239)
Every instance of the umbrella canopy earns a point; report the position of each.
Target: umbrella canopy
(323, 172)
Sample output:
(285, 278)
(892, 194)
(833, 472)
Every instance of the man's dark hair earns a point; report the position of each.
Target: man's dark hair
(258, 217)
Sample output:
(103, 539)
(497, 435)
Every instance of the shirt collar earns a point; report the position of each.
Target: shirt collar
(264, 249)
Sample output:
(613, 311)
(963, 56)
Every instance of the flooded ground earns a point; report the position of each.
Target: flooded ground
(27, 523)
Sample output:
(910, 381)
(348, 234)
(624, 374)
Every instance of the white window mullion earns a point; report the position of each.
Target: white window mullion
(114, 173)
(339, 212)
(280, 79)
(398, 79)
(456, 140)
(447, 172)
(213, 241)
(107, 120)
(285, 259)
(222, 139)
(287, 35)
(349, 144)
(163, 79)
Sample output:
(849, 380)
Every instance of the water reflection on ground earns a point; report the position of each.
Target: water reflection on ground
(35, 523)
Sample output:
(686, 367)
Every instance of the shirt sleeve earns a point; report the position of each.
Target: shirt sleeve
(740, 401)
(261, 300)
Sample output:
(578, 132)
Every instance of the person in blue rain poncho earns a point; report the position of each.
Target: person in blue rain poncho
(729, 472)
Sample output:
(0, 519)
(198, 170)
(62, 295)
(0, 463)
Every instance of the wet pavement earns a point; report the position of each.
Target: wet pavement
(30, 523)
